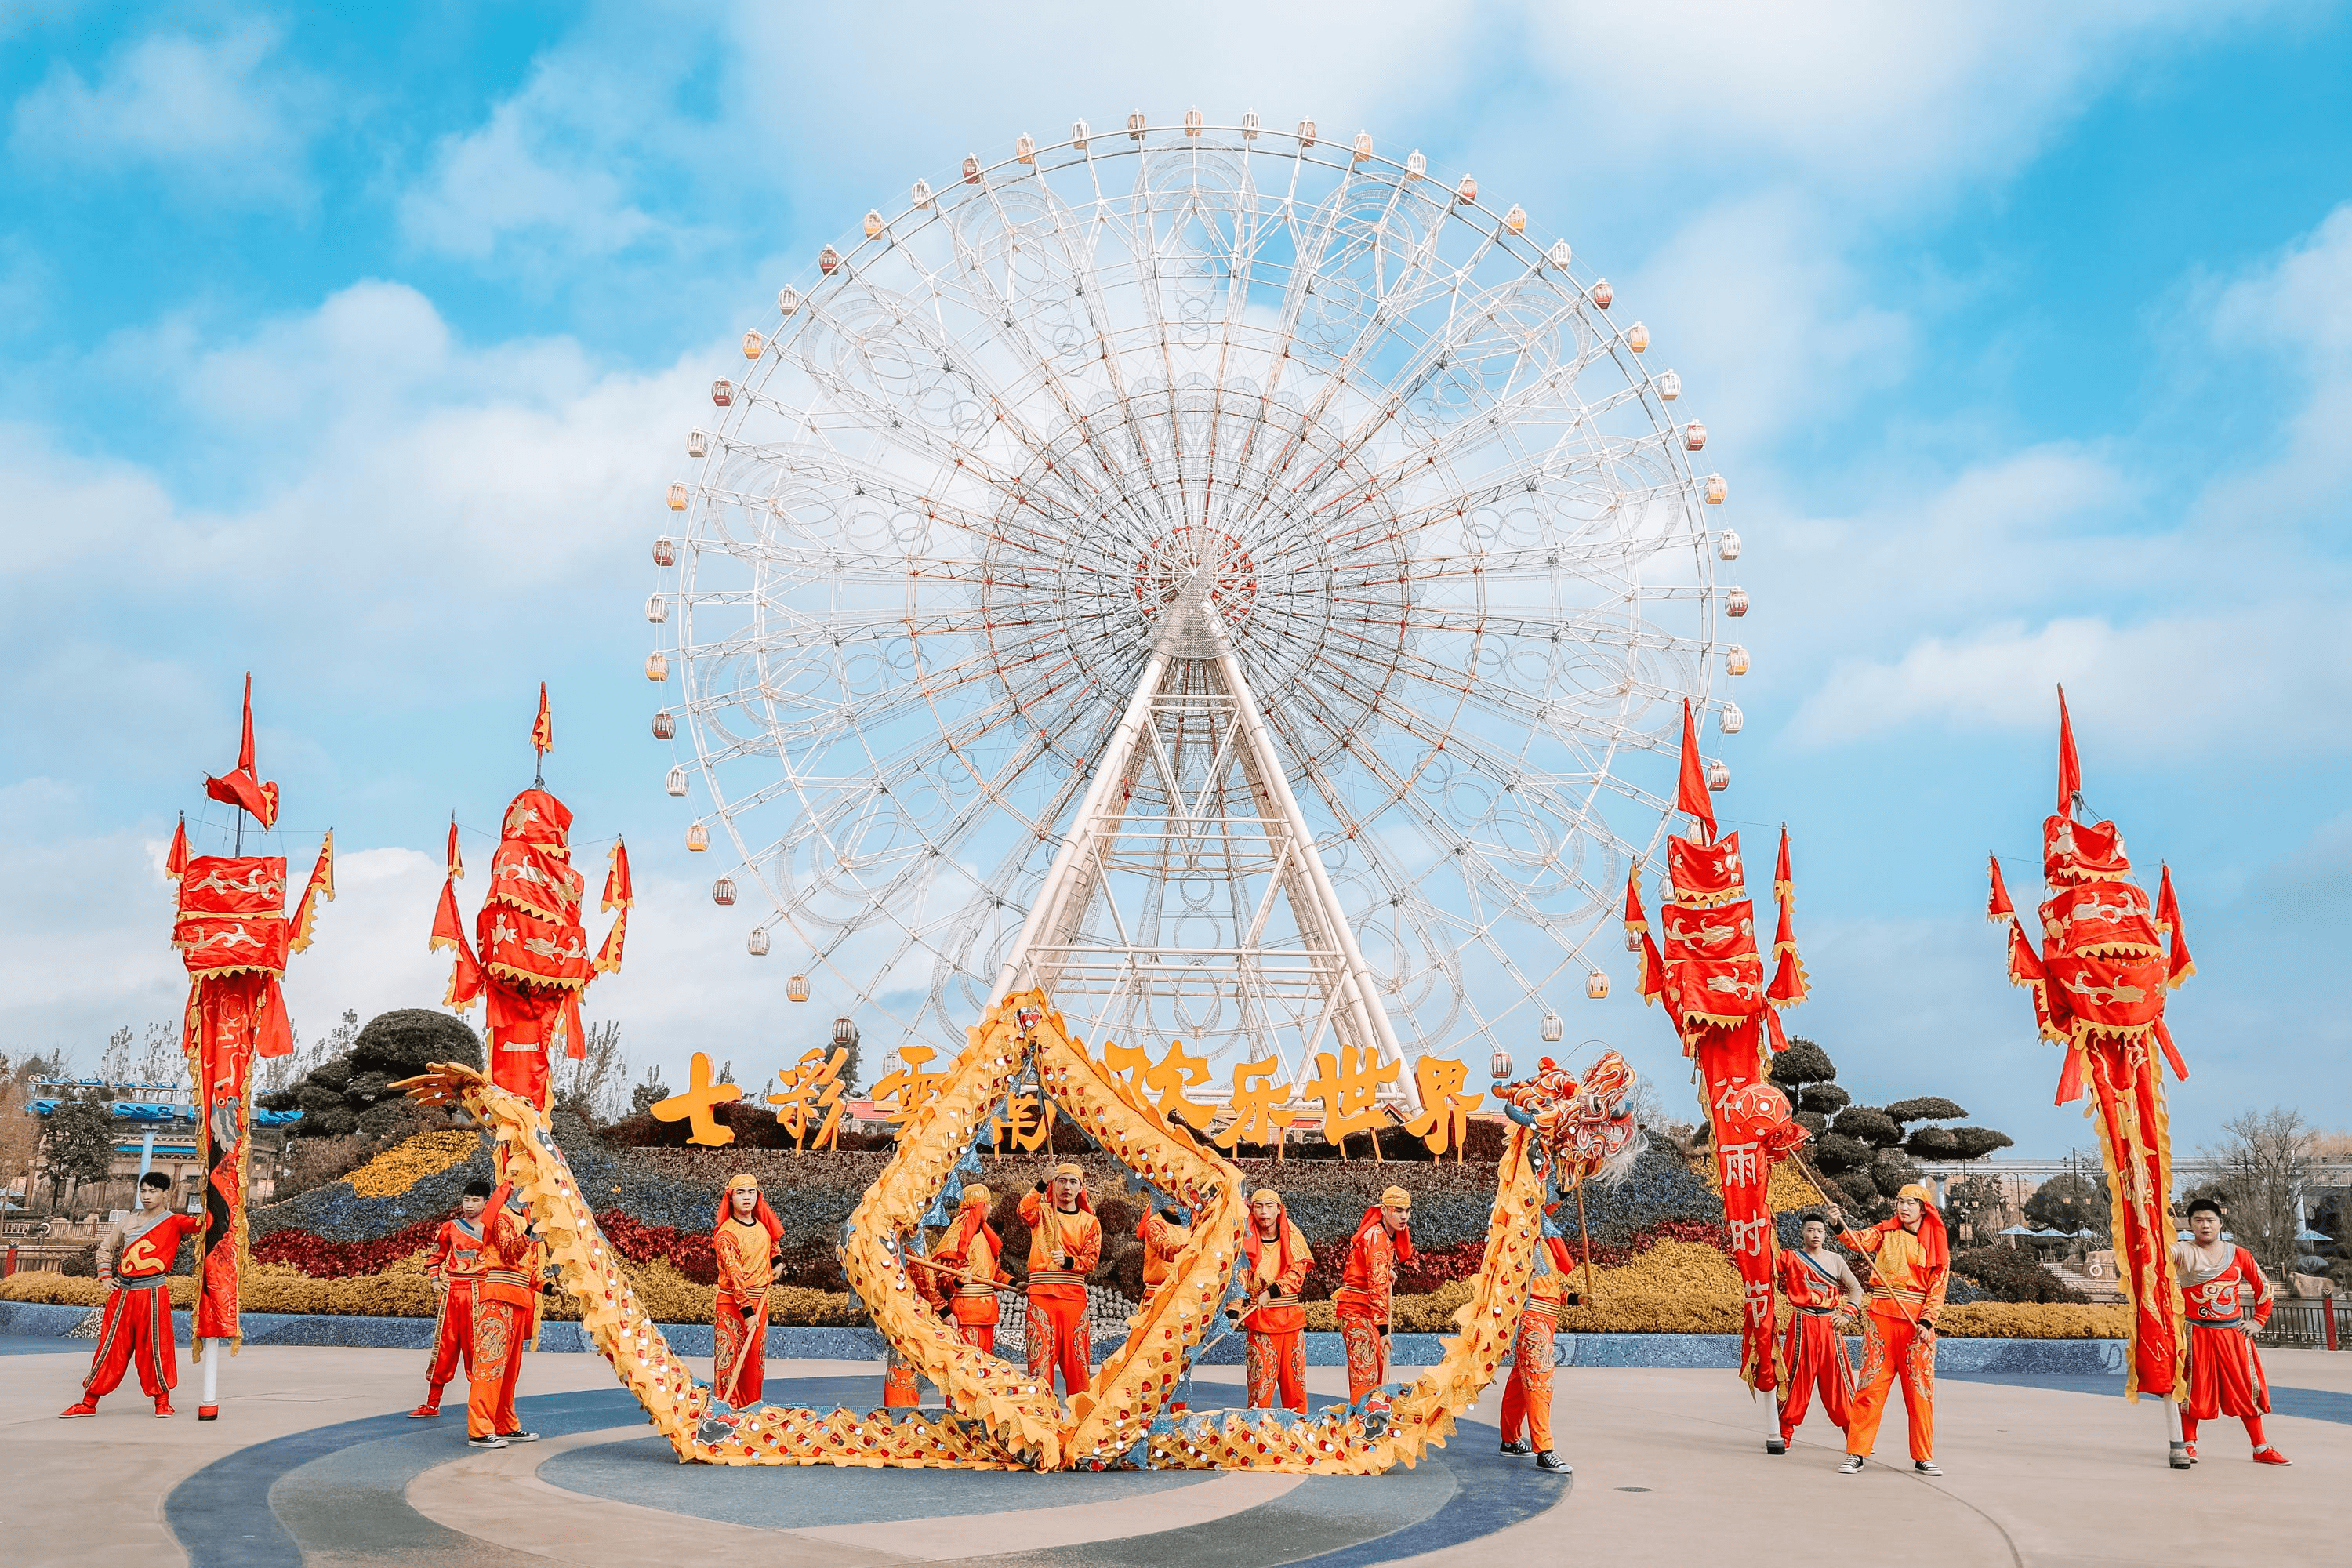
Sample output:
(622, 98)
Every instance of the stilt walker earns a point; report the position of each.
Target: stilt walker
(1714, 984)
(533, 964)
(2099, 980)
(233, 937)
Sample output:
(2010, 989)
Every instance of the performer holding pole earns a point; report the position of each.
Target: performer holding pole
(1165, 1234)
(1383, 1240)
(507, 1297)
(965, 1278)
(1276, 1258)
(456, 1271)
(134, 1263)
(745, 1241)
(1526, 1397)
(1821, 1287)
(2225, 1374)
(1911, 1267)
(1065, 1244)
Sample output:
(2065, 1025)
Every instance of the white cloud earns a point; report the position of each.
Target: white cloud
(533, 174)
(1869, 99)
(220, 113)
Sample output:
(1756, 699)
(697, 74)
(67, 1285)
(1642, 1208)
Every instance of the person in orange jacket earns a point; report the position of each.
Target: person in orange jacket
(745, 1240)
(1276, 1260)
(1367, 1285)
(1065, 1244)
(1164, 1235)
(1911, 1267)
(503, 1312)
(970, 1249)
(455, 1272)
(1526, 1397)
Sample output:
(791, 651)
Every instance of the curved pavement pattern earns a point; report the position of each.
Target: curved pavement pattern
(599, 1490)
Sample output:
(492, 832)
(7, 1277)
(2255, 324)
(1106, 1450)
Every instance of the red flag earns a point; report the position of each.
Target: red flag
(619, 892)
(543, 729)
(466, 979)
(449, 929)
(608, 957)
(2168, 916)
(176, 860)
(321, 890)
(2070, 767)
(242, 787)
(1998, 908)
(1652, 981)
(457, 861)
(1784, 886)
(1691, 794)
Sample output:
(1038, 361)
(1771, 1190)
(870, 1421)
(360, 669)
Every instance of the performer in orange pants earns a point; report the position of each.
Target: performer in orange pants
(504, 1304)
(1065, 1244)
(1383, 1239)
(1526, 1397)
(967, 1256)
(134, 1264)
(1911, 1266)
(454, 1270)
(744, 1241)
(2225, 1374)
(1277, 1260)
(1820, 1287)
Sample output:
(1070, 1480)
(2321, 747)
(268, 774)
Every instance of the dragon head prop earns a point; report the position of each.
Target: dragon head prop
(1585, 1125)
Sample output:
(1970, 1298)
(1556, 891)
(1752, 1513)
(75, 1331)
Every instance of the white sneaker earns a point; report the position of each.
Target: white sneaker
(1852, 1464)
(492, 1442)
(1925, 1468)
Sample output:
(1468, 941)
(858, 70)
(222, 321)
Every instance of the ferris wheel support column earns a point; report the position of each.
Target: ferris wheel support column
(1363, 996)
(1047, 917)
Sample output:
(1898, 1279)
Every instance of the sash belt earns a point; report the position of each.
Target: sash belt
(1054, 1276)
(2218, 1322)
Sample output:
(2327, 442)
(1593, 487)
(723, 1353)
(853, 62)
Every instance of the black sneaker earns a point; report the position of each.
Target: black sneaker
(1925, 1468)
(520, 1437)
(1547, 1460)
(1852, 1467)
(1516, 1447)
(490, 1441)
(1776, 1445)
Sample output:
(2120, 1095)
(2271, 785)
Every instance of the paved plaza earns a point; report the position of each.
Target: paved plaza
(314, 1463)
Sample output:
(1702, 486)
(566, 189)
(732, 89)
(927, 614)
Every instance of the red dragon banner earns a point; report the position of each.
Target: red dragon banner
(1725, 1008)
(233, 937)
(2098, 982)
(530, 957)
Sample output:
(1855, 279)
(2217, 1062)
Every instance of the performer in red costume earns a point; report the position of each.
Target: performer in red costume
(1911, 1267)
(1820, 1284)
(2225, 1374)
(506, 1303)
(1526, 1397)
(966, 1257)
(1383, 1239)
(456, 1270)
(1276, 1258)
(134, 1262)
(744, 1240)
(1065, 1244)
(1164, 1235)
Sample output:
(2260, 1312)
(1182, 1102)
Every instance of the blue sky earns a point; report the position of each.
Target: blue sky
(354, 345)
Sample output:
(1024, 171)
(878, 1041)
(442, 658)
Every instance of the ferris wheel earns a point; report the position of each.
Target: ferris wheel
(1235, 579)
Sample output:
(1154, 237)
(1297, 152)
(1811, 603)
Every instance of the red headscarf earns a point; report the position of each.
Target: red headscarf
(971, 1220)
(1932, 1239)
(1401, 1241)
(762, 1214)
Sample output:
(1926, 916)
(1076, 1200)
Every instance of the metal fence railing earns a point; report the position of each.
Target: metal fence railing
(2323, 1324)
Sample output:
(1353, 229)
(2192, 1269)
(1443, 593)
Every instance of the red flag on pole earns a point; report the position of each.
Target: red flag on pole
(2181, 965)
(1998, 908)
(457, 861)
(175, 860)
(1691, 796)
(242, 787)
(2070, 767)
(543, 729)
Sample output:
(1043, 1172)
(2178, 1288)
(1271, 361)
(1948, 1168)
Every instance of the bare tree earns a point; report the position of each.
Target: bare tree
(162, 1059)
(2261, 1165)
(596, 1085)
(114, 1062)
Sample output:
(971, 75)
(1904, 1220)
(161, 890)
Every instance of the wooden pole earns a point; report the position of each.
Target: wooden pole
(1585, 1231)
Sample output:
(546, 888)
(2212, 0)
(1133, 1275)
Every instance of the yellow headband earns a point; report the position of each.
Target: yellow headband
(739, 1183)
(1397, 1197)
(1914, 1191)
(977, 1196)
(1265, 1196)
(1071, 1168)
